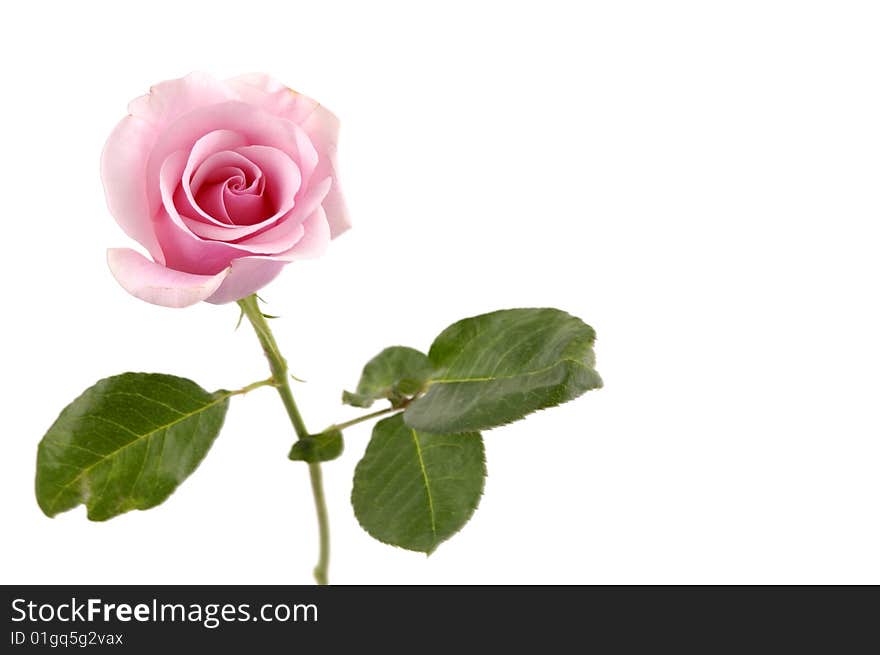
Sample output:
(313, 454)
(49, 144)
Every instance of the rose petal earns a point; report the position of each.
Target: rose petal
(169, 181)
(210, 200)
(334, 204)
(169, 100)
(123, 167)
(246, 210)
(322, 127)
(157, 284)
(315, 240)
(184, 251)
(247, 275)
(264, 91)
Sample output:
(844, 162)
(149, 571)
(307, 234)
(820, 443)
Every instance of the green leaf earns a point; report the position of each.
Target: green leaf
(318, 447)
(356, 399)
(126, 443)
(496, 368)
(414, 489)
(396, 373)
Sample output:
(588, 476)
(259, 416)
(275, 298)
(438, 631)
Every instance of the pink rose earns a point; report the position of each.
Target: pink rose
(224, 183)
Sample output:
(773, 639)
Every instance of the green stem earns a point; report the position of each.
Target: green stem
(320, 571)
(280, 379)
(361, 419)
(270, 382)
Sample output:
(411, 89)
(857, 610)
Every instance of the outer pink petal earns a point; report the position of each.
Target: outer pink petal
(334, 205)
(315, 240)
(123, 171)
(159, 285)
(167, 101)
(320, 124)
(264, 91)
(247, 275)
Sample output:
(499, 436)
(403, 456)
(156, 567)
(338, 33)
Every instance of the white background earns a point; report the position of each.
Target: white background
(698, 181)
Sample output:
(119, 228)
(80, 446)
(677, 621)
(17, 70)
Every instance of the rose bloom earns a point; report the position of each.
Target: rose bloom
(223, 183)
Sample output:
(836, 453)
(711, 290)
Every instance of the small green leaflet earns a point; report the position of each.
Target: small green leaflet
(318, 447)
(414, 489)
(126, 443)
(395, 373)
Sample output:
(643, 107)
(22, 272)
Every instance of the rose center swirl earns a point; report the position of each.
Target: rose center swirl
(244, 186)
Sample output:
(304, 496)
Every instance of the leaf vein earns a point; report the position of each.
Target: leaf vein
(427, 483)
